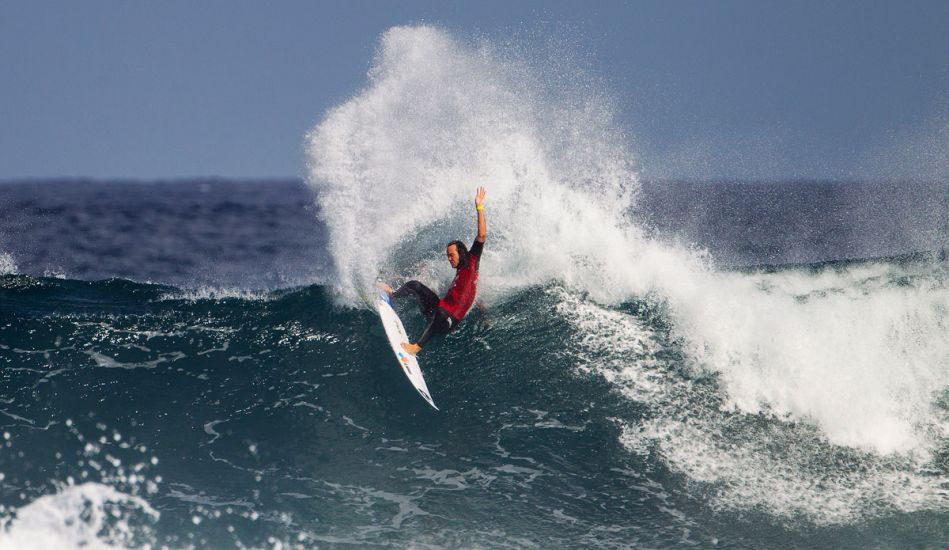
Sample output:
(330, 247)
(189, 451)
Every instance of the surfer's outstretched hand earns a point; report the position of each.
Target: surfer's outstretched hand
(479, 196)
(384, 287)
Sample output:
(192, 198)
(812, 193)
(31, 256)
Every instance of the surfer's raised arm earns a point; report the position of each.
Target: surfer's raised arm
(482, 224)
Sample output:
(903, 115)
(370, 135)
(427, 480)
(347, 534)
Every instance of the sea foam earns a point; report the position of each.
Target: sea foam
(89, 515)
(859, 352)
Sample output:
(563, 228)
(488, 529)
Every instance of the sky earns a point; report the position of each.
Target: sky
(705, 90)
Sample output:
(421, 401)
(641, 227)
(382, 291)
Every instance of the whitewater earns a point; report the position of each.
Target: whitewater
(849, 350)
(631, 379)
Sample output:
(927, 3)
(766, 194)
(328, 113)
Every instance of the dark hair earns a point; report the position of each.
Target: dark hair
(462, 252)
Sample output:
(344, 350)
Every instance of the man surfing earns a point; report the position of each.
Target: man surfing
(444, 315)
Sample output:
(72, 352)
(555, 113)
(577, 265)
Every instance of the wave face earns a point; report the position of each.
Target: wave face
(394, 168)
(138, 414)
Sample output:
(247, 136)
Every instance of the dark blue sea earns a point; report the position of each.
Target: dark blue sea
(178, 371)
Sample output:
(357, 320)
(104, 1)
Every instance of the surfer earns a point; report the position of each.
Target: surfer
(445, 314)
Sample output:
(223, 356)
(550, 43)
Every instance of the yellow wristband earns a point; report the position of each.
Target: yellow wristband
(479, 207)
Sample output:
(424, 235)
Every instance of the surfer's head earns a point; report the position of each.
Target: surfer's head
(457, 254)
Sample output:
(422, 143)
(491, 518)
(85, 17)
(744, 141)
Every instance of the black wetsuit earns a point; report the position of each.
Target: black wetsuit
(439, 321)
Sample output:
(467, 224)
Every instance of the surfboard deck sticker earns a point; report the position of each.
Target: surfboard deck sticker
(396, 333)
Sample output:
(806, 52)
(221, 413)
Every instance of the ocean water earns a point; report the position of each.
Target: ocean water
(654, 364)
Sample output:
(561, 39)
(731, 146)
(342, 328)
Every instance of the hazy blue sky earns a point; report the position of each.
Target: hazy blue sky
(705, 89)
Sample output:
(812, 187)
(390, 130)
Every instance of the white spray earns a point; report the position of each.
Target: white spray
(395, 168)
(7, 264)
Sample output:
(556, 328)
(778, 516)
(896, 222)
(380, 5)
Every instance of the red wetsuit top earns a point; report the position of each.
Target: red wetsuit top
(461, 294)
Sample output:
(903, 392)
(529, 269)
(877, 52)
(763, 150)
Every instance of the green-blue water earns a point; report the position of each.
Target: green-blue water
(212, 416)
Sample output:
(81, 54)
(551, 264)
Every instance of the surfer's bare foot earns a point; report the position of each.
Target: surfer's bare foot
(384, 287)
(411, 349)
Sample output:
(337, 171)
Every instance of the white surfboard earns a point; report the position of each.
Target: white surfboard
(396, 333)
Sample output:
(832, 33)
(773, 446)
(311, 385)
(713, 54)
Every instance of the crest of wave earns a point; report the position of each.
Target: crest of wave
(395, 167)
